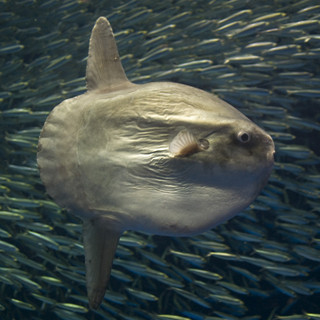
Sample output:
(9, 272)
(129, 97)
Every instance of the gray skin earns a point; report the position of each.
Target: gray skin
(161, 158)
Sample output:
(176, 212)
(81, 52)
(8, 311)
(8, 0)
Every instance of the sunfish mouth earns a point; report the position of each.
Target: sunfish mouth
(272, 151)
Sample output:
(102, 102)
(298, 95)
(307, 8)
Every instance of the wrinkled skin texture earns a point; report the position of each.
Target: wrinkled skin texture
(122, 163)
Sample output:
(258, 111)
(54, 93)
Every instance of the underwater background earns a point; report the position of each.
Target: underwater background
(263, 57)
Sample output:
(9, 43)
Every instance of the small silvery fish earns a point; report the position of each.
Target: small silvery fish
(205, 274)
(233, 287)
(161, 30)
(121, 275)
(154, 55)
(72, 307)
(274, 255)
(22, 305)
(285, 271)
(270, 16)
(243, 59)
(7, 247)
(194, 64)
(258, 46)
(229, 27)
(282, 50)
(56, 44)
(179, 17)
(298, 287)
(223, 255)
(192, 297)
(43, 299)
(57, 63)
(303, 25)
(52, 281)
(142, 295)
(296, 151)
(226, 299)
(4, 234)
(199, 27)
(248, 30)
(25, 281)
(136, 18)
(244, 272)
(9, 49)
(307, 252)
(132, 266)
(243, 14)
(115, 297)
(191, 258)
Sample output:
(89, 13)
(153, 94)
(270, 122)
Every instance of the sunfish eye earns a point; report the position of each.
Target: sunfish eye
(203, 144)
(243, 137)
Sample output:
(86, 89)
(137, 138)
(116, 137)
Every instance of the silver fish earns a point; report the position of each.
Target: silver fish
(162, 158)
(22, 305)
(11, 48)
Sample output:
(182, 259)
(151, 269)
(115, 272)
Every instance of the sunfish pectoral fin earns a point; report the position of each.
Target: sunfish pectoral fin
(184, 144)
(104, 68)
(100, 238)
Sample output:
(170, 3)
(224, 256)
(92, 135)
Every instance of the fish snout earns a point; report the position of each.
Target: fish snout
(270, 149)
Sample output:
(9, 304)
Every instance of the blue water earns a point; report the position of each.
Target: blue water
(262, 57)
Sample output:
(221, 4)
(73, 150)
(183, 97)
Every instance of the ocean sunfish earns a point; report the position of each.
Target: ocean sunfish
(161, 158)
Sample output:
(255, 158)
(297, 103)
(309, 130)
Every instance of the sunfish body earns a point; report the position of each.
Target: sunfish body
(162, 158)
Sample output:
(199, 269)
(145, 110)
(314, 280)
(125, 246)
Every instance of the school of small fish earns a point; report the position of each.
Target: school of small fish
(261, 57)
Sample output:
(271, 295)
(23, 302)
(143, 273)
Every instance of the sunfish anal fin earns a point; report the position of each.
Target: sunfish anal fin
(104, 68)
(100, 238)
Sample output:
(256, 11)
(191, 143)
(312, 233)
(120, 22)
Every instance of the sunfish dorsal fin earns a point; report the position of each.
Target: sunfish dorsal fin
(104, 68)
(100, 237)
